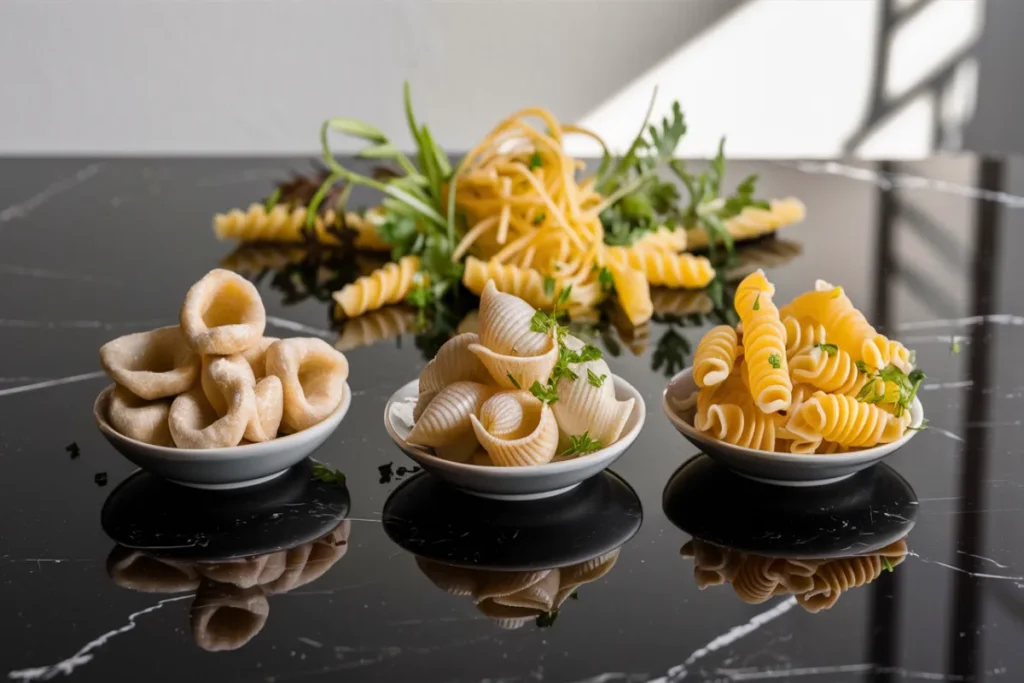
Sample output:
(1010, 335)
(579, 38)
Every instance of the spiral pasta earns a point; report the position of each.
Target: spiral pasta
(280, 224)
(376, 326)
(764, 344)
(388, 285)
(633, 290)
(833, 372)
(845, 421)
(667, 301)
(754, 222)
(683, 271)
(673, 241)
(525, 283)
(802, 334)
(365, 228)
(715, 356)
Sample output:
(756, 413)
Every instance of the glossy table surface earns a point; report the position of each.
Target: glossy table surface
(106, 575)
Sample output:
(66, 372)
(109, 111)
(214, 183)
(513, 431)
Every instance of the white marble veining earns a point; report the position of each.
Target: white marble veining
(52, 383)
(22, 209)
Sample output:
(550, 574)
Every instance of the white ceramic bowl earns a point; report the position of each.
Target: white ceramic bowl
(783, 469)
(511, 483)
(221, 468)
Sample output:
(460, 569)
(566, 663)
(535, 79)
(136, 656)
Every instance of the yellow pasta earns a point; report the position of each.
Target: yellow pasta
(366, 330)
(847, 327)
(525, 283)
(764, 344)
(249, 260)
(665, 268)
(715, 356)
(845, 421)
(389, 285)
(663, 239)
(366, 229)
(757, 579)
(802, 334)
(633, 291)
(753, 222)
(833, 372)
(667, 301)
(741, 424)
(280, 224)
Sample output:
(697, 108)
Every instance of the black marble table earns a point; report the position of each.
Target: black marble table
(107, 576)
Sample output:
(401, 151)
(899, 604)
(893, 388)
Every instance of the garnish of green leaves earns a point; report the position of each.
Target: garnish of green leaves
(908, 386)
(549, 286)
(595, 379)
(514, 381)
(954, 345)
(273, 199)
(326, 475)
(539, 218)
(775, 361)
(581, 444)
(546, 620)
(862, 367)
(832, 349)
(604, 277)
(888, 565)
(535, 161)
(544, 392)
(757, 302)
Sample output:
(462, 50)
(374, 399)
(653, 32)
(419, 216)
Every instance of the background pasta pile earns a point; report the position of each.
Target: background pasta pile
(518, 392)
(817, 584)
(811, 377)
(512, 599)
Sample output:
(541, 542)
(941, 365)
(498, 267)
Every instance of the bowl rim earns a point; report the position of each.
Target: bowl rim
(862, 455)
(524, 471)
(324, 427)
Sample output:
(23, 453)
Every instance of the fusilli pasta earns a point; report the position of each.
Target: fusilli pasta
(802, 334)
(388, 285)
(844, 420)
(764, 344)
(664, 239)
(280, 224)
(715, 356)
(683, 271)
(833, 372)
(753, 222)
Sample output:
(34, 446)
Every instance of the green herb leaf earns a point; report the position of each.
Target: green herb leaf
(920, 427)
(549, 286)
(563, 296)
(595, 379)
(535, 161)
(543, 322)
(273, 199)
(543, 392)
(862, 367)
(325, 474)
(539, 218)
(775, 361)
(757, 302)
(546, 620)
(581, 444)
(605, 278)
(888, 565)
(512, 379)
(830, 349)
(954, 345)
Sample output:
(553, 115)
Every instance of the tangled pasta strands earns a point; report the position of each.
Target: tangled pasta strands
(280, 224)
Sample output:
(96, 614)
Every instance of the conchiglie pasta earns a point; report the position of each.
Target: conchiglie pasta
(715, 356)
(583, 407)
(389, 285)
(532, 442)
(446, 419)
(764, 344)
(505, 324)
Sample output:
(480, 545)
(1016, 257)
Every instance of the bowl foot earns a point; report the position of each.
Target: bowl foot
(798, 483)
(520, 496)
(230, 485)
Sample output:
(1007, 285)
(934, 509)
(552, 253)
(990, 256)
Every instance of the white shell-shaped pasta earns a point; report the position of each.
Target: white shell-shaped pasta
(460, 451)
(533, 443)
(582, 407)
(539, 595)
(454, 580)
(503, 369)
(496, 584)
(502, 415)
(453, 363)
(446, 420)
(422, 402)
(505, 324)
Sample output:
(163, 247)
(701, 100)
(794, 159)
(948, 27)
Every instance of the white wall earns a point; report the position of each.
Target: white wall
(781, 77)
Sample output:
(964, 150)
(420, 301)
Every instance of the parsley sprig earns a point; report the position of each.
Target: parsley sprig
(908, 386)
(548, 323)
(582, 444)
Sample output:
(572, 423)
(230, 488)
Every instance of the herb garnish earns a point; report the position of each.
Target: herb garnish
(539, 218)
(888, 565)
(327, 475)
(775, 361)
(272, 200)
(605, 278)
(830, 349)
(908, 386)
(581, 444)
(549, 286)
(757, 302)
(595, 379)
(954, 345)
(514, 381)
(535, 161)
(544, 392)
(862, 367)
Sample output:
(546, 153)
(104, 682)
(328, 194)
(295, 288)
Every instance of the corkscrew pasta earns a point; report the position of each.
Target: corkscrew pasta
(683, 271)
(789, 385)
(388, 285)
(279, 224)
(753, 222)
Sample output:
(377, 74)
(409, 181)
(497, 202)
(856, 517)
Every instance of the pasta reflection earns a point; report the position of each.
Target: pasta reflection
(230, 606)
(513, 599)
(816, 583)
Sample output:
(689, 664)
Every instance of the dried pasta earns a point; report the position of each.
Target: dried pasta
(367, 236)
(279, 224)
(845, 421)
(389, 285)
(525, 283)
(673, 241)
(754, 222)
(802, 334)
(833, 372)
(715, 356)
(764, 344)
(664, 268)
(376, 326)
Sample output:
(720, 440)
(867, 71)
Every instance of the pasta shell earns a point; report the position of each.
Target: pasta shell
(446, 420)
(454, 580)
(517, 372)
(453, 363)
(137, 571)
(246, 573)
(505, 616)
(222, 314)
(498, 584)
(582, 407)
(536, 447)
(540, 595)
(194, 423)
(422, 401)
(503, 415)
(243, 614)
(460, 451)
(152, 365)
(505, 324)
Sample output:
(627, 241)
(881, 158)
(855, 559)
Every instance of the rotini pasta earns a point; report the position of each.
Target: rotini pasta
(280, 224)
(673, 241)
(845, 421)
(389, 285)
(633, 290)
(525, 283)
(833, 372)
(753, 222)
(665, 301)
(367, 235)
(741, 425)
(715, 356)
(802, 334)
(764, 344)
(664, 268)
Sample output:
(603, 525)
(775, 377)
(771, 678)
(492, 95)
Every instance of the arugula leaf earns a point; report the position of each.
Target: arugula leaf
(544, 393)
(595, 379)
(582, 444)
(512, 379)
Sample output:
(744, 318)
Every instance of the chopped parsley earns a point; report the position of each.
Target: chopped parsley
(535, 161)
(272, 200)
(757, 302)
(594, 378)
(543, 322)
(775, 361)
(581, 444)
(326, 475)
(862, 367)
(539, 218)
(830, 349)
(888, 565)
(544, 392)
(549, 284)
(605, 278)
(512, 379)
(908, 386)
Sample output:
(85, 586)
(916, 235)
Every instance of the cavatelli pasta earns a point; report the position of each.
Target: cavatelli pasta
(683, 271)
(673, 241)
(833, 372)
(388, 285)
(847, 327)
(753, 222)
(802, 334)
(844, 420)
(525, 283)
(764, 344)
(280, 224)
(715, 356)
